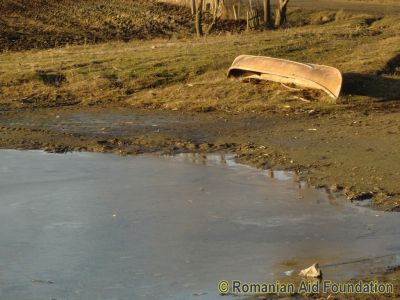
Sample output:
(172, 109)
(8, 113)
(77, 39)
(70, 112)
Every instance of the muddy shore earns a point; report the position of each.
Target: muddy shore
(354, 152)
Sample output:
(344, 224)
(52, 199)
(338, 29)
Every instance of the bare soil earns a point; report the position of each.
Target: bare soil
(351, 151)
(48, 24)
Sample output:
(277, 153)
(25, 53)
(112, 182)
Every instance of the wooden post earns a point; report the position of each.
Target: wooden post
(267, 13)
(199, 18)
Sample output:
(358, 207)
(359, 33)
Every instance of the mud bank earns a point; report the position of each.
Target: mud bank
(348, 151)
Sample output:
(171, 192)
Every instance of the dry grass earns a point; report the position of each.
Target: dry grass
(190, 74)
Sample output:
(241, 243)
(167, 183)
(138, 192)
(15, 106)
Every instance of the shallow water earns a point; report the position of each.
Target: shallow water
(96, 226)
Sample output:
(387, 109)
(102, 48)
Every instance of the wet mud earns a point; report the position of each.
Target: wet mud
(348, 151)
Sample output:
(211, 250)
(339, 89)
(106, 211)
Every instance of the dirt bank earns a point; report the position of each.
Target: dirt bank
(350, 151)
(47, 24)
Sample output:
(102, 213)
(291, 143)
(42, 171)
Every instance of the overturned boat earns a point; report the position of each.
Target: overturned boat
(327, 79)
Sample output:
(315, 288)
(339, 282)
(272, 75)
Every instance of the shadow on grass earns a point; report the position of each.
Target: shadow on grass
(392, 66)
(375, 86)
(50, 77)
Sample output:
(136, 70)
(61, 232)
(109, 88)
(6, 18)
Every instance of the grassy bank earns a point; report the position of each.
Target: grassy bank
(181, 74)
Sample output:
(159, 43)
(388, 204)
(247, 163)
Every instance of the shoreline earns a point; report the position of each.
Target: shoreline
(257, 140)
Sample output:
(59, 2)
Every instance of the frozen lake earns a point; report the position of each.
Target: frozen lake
(98, 226)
